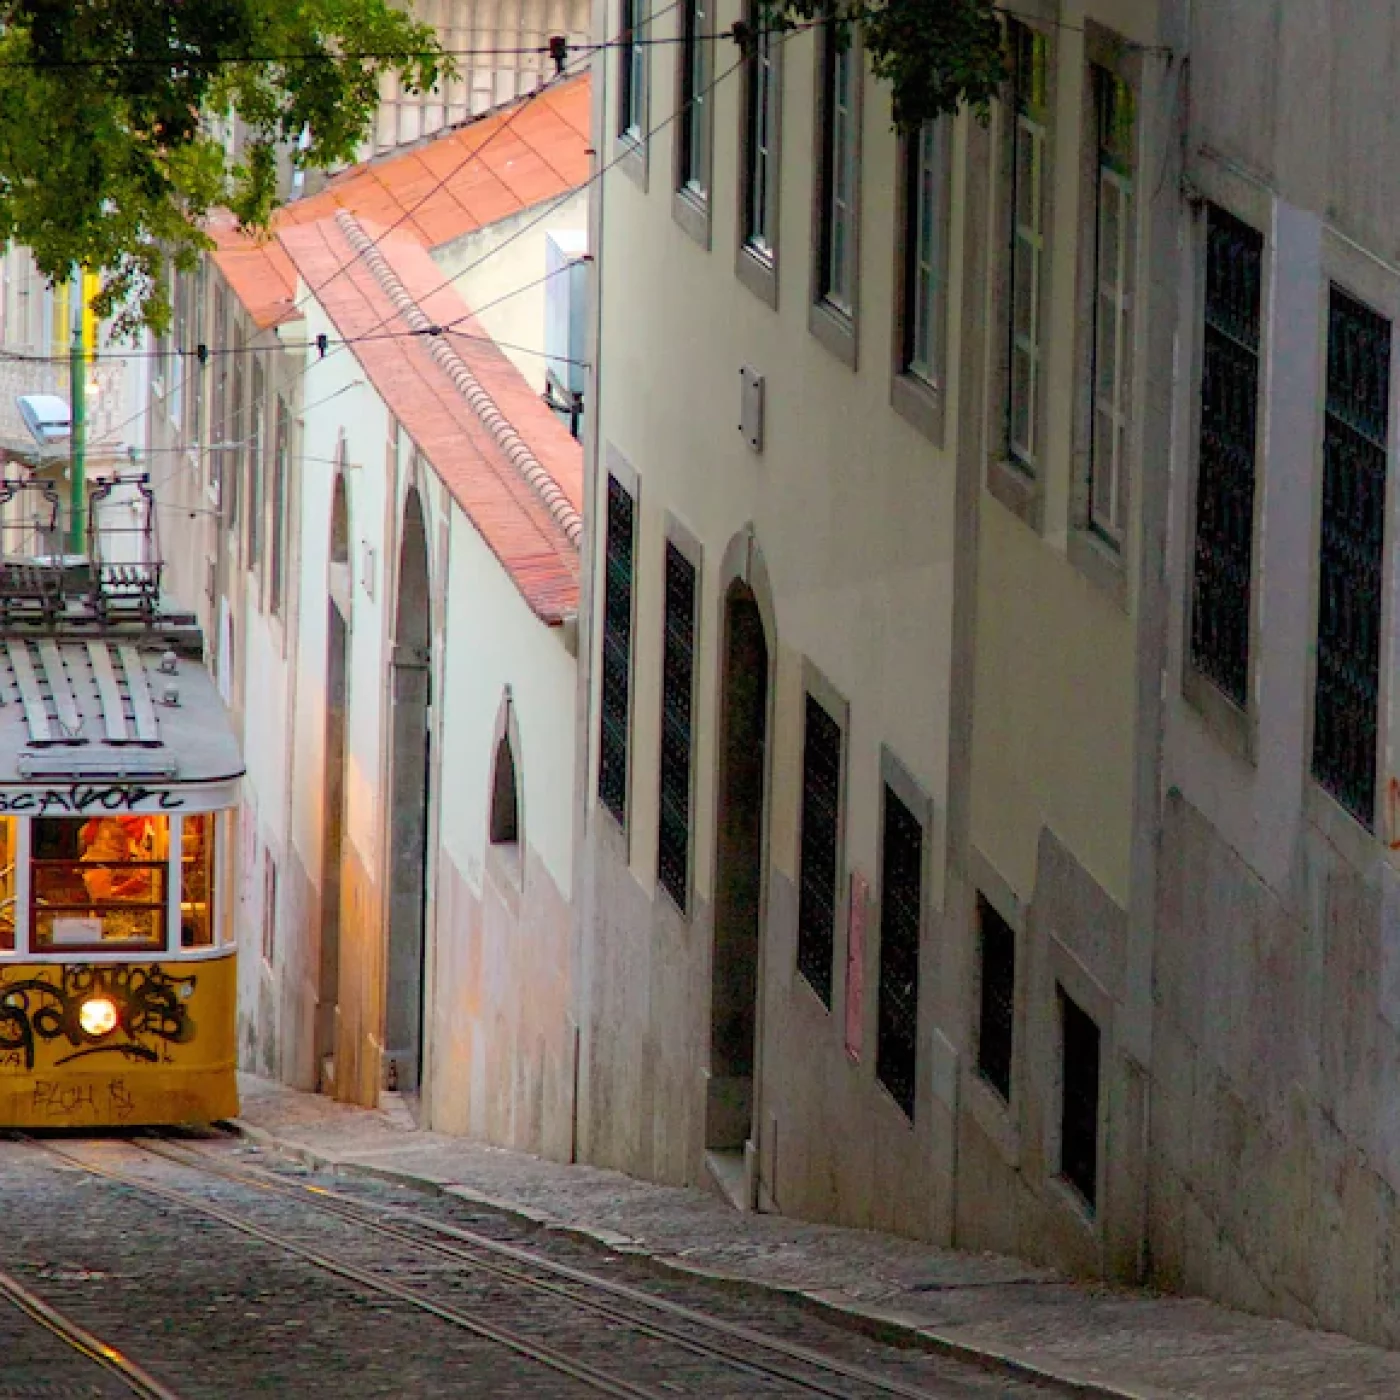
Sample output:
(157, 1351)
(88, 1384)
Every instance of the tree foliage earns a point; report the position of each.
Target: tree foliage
(114, 121)
(936, 55)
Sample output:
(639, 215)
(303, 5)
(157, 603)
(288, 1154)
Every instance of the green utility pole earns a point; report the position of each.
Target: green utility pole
(77, 441)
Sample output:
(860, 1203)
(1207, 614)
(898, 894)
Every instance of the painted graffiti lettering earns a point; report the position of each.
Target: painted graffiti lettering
(55, 1099)
(79, 798)
(123, 1105)
(46, 1007)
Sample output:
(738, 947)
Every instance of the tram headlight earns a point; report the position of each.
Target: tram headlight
(98, 1016)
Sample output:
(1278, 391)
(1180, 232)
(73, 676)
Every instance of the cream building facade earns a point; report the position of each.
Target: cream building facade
(875, 627)
(379, 526)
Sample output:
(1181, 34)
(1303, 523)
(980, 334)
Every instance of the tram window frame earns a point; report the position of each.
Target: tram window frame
(11, 887)
(213, 883)
(95, 905)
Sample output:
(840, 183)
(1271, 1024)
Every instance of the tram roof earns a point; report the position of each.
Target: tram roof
(122, 707)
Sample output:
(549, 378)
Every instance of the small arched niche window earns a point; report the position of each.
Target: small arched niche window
(505, 797)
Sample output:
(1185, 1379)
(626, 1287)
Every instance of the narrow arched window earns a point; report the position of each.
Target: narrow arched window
(505, 804)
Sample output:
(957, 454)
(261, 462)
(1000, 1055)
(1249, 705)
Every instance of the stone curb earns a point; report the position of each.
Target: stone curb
(882, 1324)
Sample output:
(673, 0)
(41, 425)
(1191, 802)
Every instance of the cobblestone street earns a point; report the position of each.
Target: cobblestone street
(203, 1267)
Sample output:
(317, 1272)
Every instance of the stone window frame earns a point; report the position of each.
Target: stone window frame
(693, 199)
(998, 1118)
(1067, 975)
(816, 685)
(896, 778)
(1019, 490)
(618, 466)
(758, 270)
(835, 329)
(1211, 182)
(631, 140)
(920, 402)
(1367, 279)
(1105, 564)
(688, 545)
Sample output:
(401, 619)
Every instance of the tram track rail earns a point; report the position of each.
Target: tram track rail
(503, 1260)
(733, 1346)
(77, 1338)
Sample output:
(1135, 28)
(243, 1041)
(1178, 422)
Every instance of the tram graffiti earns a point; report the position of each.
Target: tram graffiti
(46, 1006)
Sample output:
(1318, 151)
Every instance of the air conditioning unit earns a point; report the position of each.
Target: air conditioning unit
(47, 417)
(565, 318)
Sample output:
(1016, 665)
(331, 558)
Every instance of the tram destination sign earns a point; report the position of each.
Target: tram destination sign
(92, 798)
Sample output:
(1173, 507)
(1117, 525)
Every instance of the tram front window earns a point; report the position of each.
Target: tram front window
(98, 881)
(197, 881)
(7, 884)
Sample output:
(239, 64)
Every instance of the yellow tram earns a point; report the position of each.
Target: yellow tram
(119, 776)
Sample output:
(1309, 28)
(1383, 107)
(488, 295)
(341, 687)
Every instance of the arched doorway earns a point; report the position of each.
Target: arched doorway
(338, 602)
(411, 696)
(739, 880)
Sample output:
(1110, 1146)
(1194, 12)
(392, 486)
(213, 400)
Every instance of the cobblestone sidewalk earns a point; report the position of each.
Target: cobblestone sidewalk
(1109, 1343)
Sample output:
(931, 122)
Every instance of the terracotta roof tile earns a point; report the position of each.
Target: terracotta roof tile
(456, 182)
(507, 512)
(260, 274)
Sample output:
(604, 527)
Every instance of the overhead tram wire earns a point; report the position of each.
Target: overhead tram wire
(376, 332)
(336, 342)
(645, 139)
(201, 358)
(166, 61)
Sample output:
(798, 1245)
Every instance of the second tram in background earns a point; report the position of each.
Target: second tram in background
(119, 779)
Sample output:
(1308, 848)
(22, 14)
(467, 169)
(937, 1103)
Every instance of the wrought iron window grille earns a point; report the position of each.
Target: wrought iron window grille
(1356, 426)
(1222, 576)
(997, 1012)
(1079, 1102)
(616, 686)
(821, 826)
(901, 906)
(677, 701)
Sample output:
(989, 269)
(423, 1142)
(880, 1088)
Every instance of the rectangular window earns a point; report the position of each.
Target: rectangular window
(218, 404)
(821, 830)
(1355, 436)
(269, 922)
(694, 173)
(837, 242)
(1079, 1100)
(1116, 128)
(927, 178)
(632, 58)
(1028, 198)
(9, 832)
(236, 430)
(195, 365)
(677, 701)
(1222, 575)
(616, 698)
(99, 882)
(197, 881)
(997, 1015)
(760, 138)
(901, 911)
(277, 502)
(257, 442)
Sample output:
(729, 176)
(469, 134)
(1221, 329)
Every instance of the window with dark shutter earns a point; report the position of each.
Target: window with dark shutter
(998, 1009)
(901, 903)
(1079, 1107)
(821, 825)
(1352, 566)
(677, 699)
(1224, 547)
(617, 651)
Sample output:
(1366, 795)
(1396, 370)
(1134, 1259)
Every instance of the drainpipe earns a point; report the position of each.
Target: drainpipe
(77, 393)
